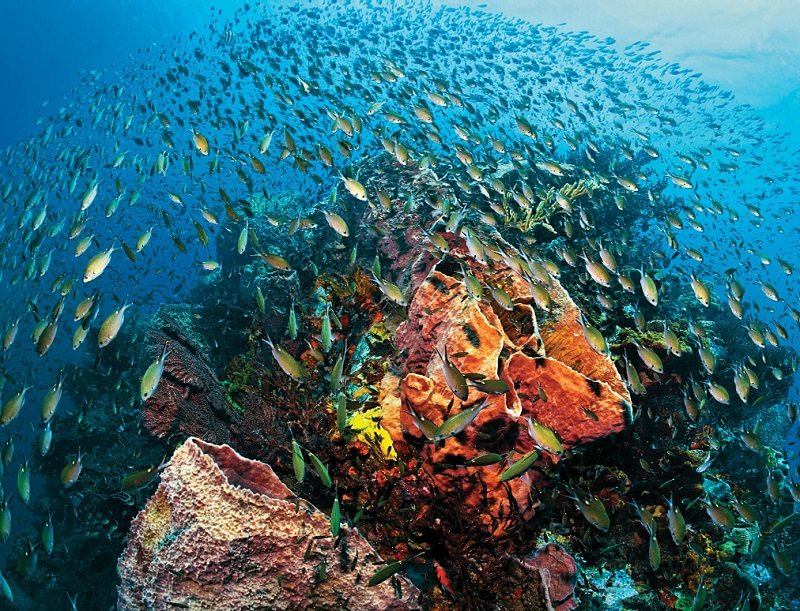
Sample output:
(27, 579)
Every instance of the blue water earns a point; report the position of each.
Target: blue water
(89, 78)
(47, 44)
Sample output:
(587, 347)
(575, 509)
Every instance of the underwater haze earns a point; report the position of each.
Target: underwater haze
(375, 304)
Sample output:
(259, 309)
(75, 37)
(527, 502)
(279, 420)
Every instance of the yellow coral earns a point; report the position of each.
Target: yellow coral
(331, 285)
(367, 426)
(158, 522)
(380, 332)
(526, 218)
(574, 190)
(360, 392)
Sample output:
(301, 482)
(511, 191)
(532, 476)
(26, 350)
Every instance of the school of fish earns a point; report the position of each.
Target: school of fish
(112, 206)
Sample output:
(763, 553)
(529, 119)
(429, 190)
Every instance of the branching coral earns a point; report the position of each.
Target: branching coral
(526, 217)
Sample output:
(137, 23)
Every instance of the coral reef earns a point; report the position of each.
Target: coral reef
(526, 331)
(191, 400)
(223, 532)
(537, 353)
(421, 319)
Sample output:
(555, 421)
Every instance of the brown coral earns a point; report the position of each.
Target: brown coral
(223, 532)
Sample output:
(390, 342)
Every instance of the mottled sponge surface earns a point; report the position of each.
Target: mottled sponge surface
(222, 532)
(538, 351)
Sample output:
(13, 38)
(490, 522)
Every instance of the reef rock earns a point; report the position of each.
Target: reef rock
(526, 590)
(536, 348)
(560, 574)
(224, 533)
(733, 586)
